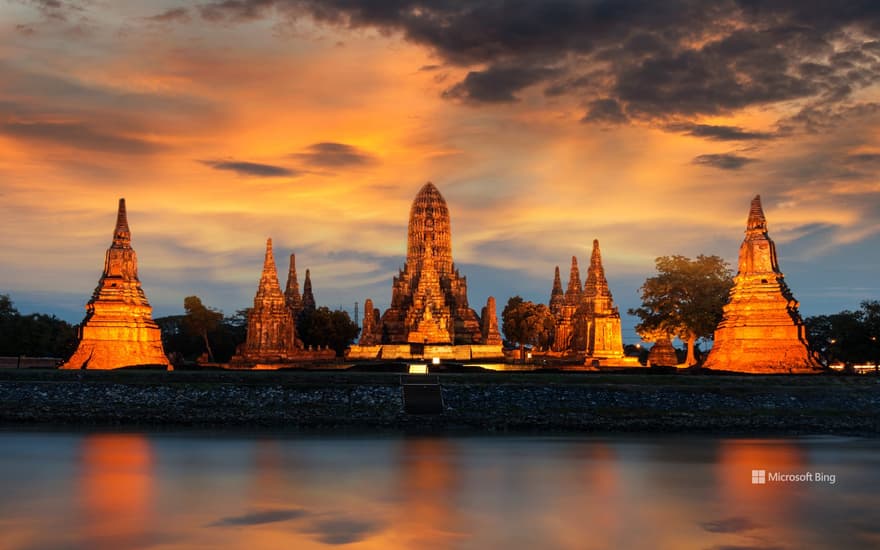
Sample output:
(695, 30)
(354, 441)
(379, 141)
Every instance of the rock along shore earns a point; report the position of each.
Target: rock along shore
(586, 402)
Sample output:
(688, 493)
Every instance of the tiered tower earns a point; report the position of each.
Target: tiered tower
(601, 318)
(566, 334)
(308, 298)
(371, 332)
(429, 314)
(118, 330)
(557, 296)
(291, 292)
(761, 331)
(489, 318)
(271, 334)
(429, 296)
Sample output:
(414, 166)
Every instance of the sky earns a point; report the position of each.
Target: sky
(647, 125)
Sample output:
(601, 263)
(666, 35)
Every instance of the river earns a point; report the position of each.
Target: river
(106, 490)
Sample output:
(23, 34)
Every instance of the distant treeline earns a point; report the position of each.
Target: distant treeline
(199, 331)
(34, 335)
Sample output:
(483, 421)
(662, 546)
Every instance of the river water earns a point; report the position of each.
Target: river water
(221, 490)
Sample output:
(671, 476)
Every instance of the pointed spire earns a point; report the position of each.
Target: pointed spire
(557, 297)
(557, 285)
(596, 286)
(756, 216)
(269, 262)
(574, 291)
(291, 291)
(596, 261)
(121, 234)
(269, 285)
(308, 299)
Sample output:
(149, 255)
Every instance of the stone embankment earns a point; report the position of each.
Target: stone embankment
(484, 402)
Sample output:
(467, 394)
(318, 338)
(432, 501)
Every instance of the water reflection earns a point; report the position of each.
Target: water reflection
(109, 491)
(116, 490)
(428, 483)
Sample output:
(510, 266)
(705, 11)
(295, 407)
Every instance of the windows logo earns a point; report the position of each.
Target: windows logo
(759, 477)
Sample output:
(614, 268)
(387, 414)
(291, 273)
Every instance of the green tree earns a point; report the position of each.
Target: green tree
(201, 320)
(322, 327)
(524, 322)
(871, 319)
(684, 299)
(848, 337)
(34, 335)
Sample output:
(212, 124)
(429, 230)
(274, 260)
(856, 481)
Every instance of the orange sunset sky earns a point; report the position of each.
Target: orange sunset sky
(647, 125)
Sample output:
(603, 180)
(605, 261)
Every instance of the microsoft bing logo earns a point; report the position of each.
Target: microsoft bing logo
(759, 477)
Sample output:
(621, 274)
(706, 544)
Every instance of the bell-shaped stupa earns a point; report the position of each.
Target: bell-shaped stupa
(761, 331)
(118, 330)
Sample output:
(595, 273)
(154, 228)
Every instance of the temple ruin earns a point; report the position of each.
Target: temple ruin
(271, 328)
(429, 314)
(586, 321)
(761, 331)
(118, 330)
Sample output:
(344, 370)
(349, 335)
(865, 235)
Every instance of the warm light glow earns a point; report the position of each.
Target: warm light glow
(420, 368)
(435, 361)
(116, 489)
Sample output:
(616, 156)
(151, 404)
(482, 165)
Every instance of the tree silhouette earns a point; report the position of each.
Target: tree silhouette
(525, 322)
(685, 299)
(201, 320)
(322, 327)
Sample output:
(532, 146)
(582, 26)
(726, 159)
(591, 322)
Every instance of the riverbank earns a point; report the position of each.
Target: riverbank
(582, 402)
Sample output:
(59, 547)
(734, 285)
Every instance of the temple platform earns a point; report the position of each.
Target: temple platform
(425, 352)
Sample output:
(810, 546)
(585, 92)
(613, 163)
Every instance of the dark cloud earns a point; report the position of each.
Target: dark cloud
(718, 133)
(657, 60)
(260, 518)
(820, 116)
(497, 84)
(724, 161)
(79, 136)
(729, 525)
(252, 168)
(333, 155)
(54, 9)
(341, 530)
(605, 110)
(236, 10)
(172, 15)
(865, 158)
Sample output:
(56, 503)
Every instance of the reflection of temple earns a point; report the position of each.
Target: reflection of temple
(762, 330)
(116, 490)
(586, 320)
(429, 477)
(271, 329)
(429, 313)
(118, 330)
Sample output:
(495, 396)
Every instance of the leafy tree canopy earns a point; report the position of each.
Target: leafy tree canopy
(524, 322)
(684, 299)
(322, 327)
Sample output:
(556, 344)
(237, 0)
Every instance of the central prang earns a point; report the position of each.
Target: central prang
(429, 303)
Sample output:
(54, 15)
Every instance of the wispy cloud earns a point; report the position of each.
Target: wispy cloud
(260, 518)
(724, 161)
(255, 169)
(79, 135)
(330, 154)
